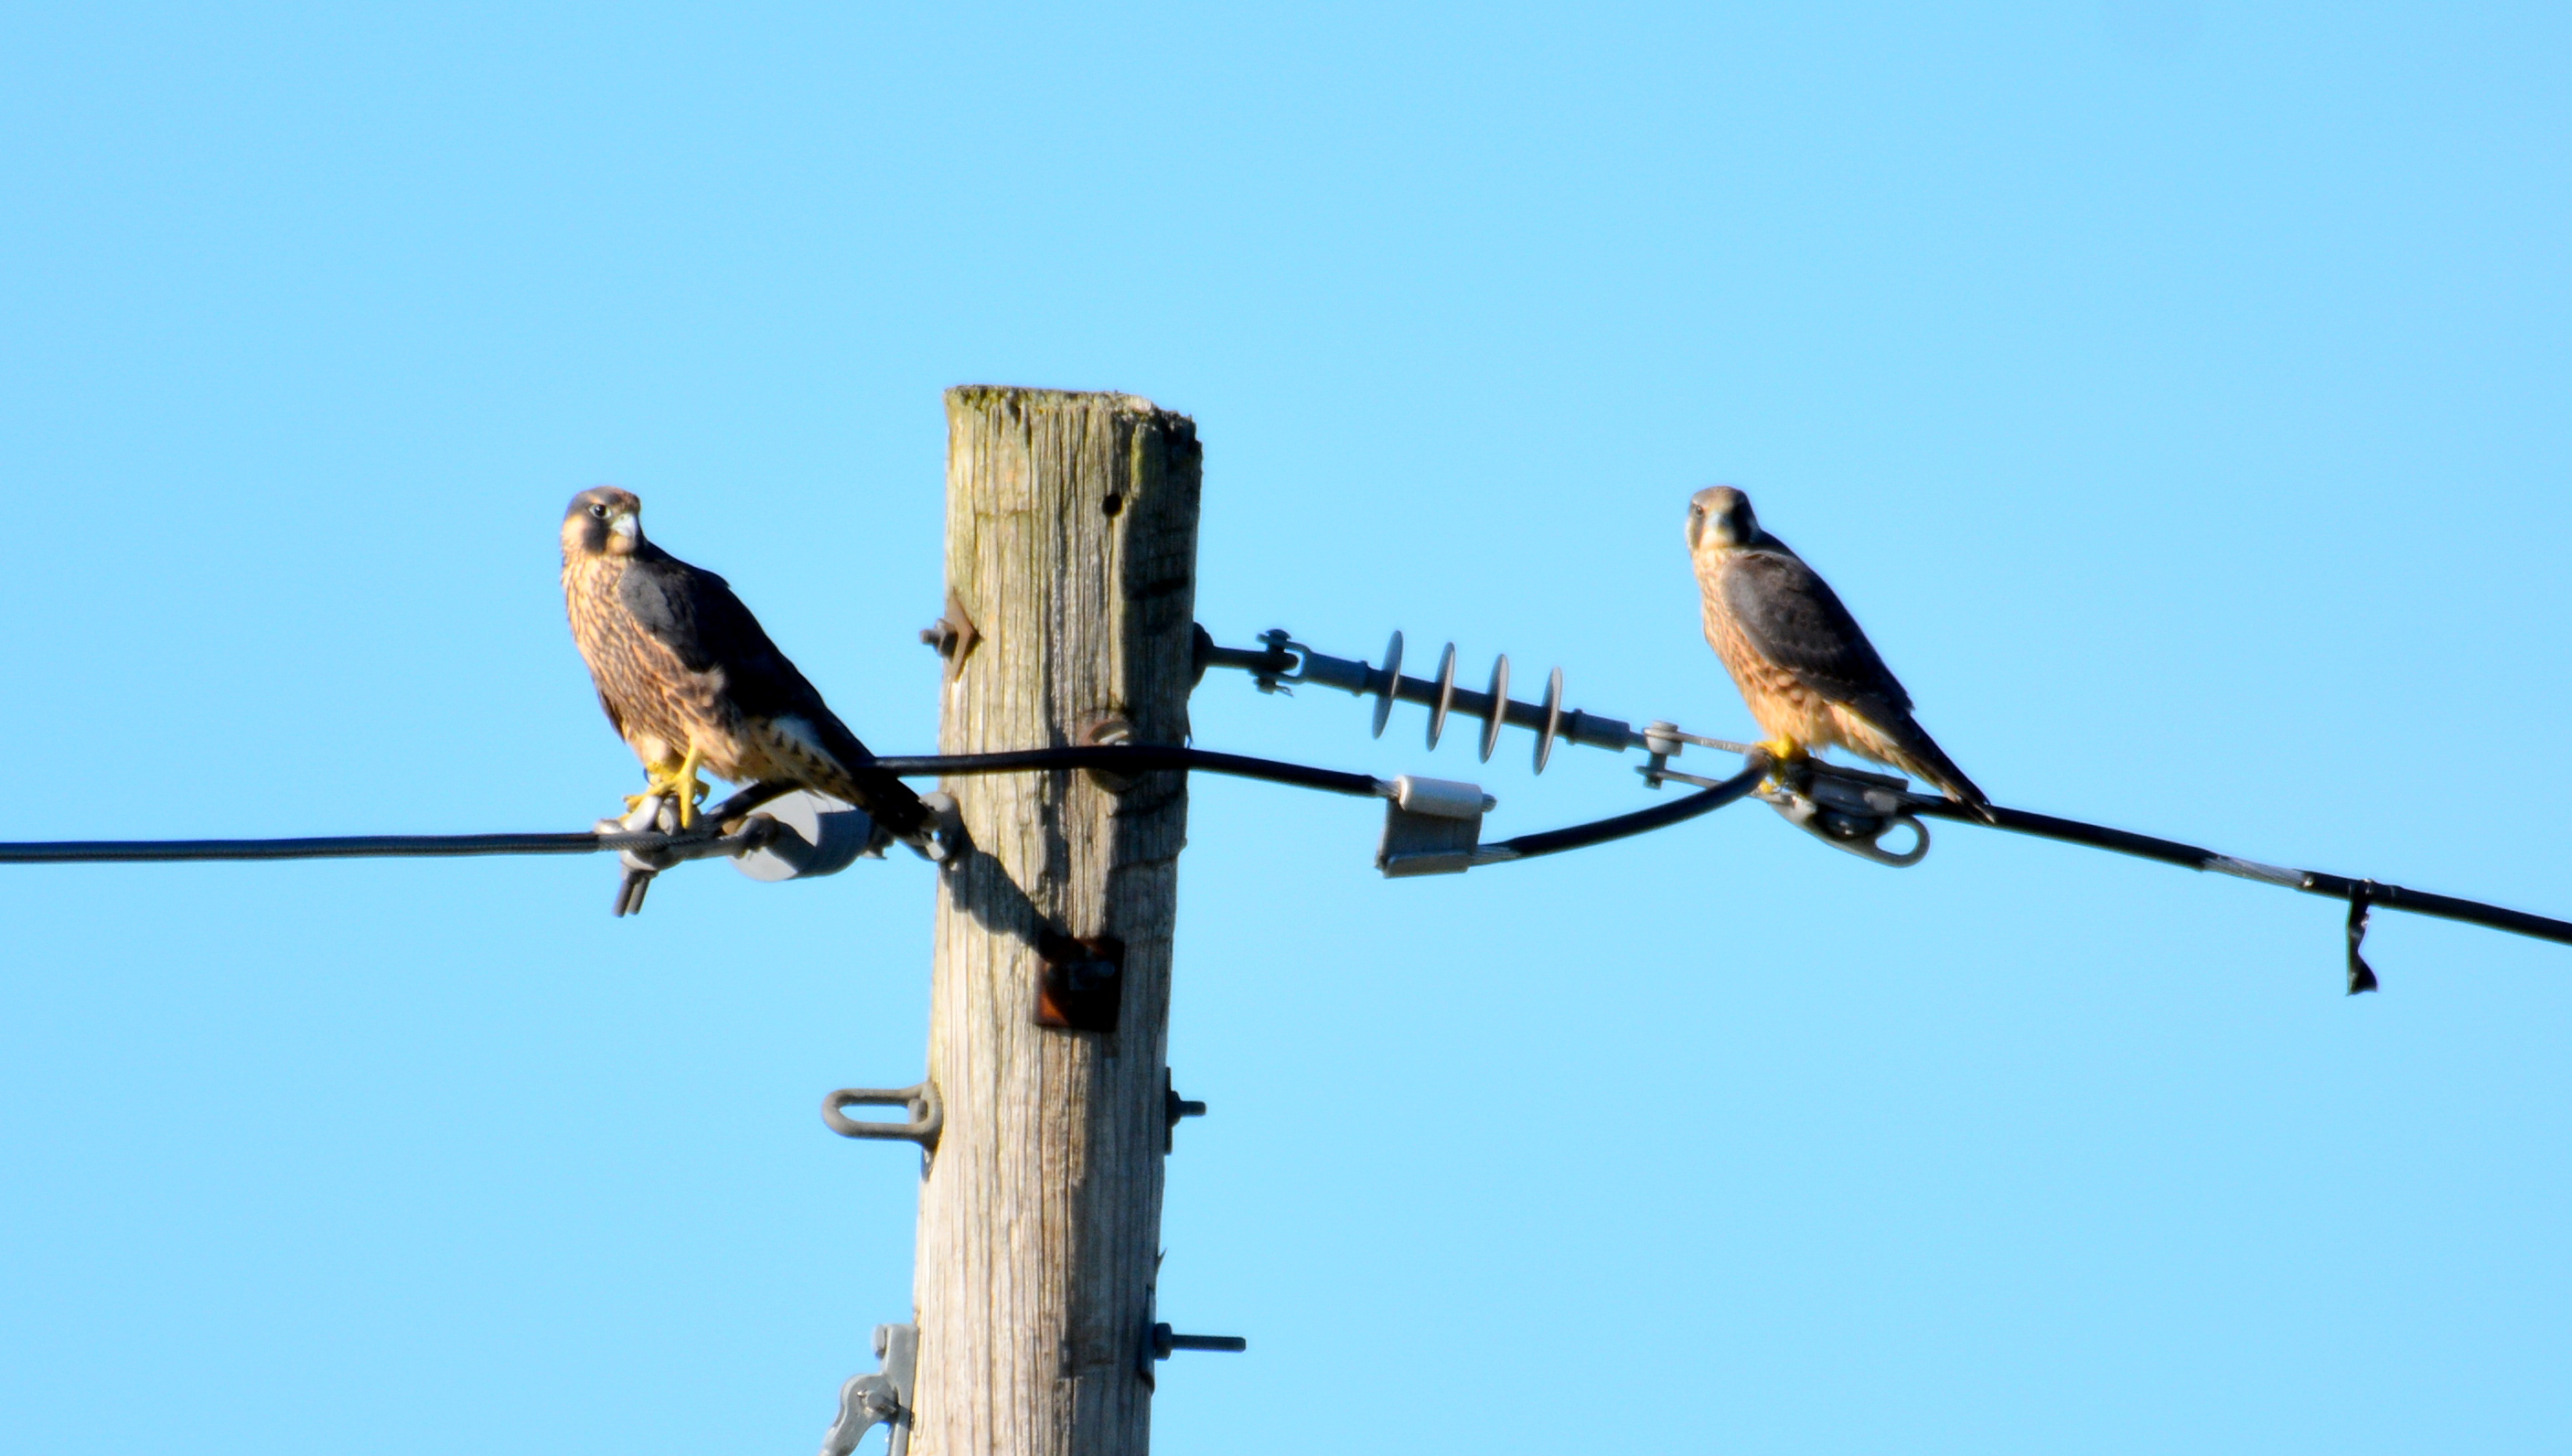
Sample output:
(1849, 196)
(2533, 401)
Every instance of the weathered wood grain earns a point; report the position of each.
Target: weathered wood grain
(1072, 524)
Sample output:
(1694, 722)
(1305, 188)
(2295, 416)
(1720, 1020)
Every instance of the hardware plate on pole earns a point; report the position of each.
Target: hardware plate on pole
(879, 1398)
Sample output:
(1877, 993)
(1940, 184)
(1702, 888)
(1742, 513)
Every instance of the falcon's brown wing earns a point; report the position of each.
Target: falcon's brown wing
(1790, 616)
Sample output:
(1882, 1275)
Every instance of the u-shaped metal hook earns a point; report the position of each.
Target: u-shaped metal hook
(927, 1113)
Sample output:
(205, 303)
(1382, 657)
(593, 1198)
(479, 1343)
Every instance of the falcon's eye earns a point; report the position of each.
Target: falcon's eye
(598, 511)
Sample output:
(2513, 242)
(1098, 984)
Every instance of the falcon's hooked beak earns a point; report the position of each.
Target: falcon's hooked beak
(624, 521)
(1722, 514)
(602, 522)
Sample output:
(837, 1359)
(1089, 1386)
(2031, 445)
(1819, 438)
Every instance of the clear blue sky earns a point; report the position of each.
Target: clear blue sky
(2177, 392)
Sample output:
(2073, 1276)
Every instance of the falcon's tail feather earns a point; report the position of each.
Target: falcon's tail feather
(849, 774)
(887, 800)
(1918, 754)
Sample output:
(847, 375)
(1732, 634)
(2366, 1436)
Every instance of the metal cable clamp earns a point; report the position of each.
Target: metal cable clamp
(659, 814)
(1430, 827)
(879, 1398)
(1850, 809)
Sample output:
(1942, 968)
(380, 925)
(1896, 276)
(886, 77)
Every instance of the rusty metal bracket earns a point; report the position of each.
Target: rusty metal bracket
(953, 635)
(1082, 985)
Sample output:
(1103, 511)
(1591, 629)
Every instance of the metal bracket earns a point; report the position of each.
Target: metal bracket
(1430, 827)
(1263, 665)
(878, 1399)
(953, 635)
(1664, 741)
(1109, 730)
(927, 1113)
(1848, 809)
(1082, 984)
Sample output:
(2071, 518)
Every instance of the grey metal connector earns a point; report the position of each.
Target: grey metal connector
(1430, 827)
(1850, 808)
(879, 1398)
(815, 835)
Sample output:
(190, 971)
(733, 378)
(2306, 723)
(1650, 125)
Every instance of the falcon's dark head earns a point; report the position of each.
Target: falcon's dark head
(1719, 516)
(602, 522)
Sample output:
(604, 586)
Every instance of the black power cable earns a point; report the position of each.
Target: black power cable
(346, 847)
(1110, 757)
(1642, 821)
(2310, 882)
(1138, 758)
(2361, 895)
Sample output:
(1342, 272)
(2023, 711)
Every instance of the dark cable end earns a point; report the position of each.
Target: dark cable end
(2361, 900)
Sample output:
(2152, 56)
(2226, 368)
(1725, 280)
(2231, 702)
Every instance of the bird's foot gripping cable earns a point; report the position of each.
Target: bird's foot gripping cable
(657, 823)
(771, 832)
(1845, 808)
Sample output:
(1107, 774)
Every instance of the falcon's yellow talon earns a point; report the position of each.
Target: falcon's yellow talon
(1786, 761)
(672, 780)
(690, 789)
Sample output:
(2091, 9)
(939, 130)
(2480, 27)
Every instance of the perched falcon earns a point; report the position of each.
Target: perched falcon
(1809, 675)
(692, 682)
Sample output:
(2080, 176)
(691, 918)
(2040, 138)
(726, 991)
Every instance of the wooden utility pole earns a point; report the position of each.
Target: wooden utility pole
(1071, 537)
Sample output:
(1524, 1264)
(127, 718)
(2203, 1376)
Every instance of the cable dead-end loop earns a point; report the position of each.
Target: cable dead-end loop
(1848, 809)
(2361, 906)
